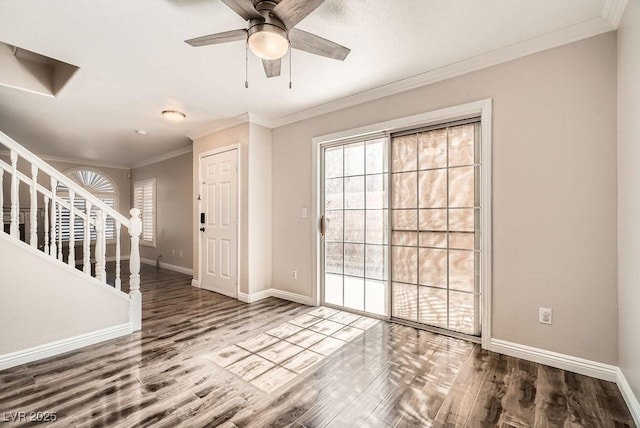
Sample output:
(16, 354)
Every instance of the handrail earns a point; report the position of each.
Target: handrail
(54, 173)
(46, 192)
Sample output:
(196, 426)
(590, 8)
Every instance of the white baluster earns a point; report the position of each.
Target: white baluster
(60, 232)
(33, 222)
(46, 224)
(86, 249)
(72, 230)
(101, 274)
(1, 200)
(52, 248)
(135, 308)
(14, 229)
(118, 282)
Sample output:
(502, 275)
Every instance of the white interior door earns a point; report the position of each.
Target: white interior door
(219, 223)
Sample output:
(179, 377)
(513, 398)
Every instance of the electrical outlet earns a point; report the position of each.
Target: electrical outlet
(180, 254)
(173, 253)
(546, 316)
(294, 274)
(304, 213)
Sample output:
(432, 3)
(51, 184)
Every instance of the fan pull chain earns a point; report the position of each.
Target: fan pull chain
(246, 65)
(290, 54)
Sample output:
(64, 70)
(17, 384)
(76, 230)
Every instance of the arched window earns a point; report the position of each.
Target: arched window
(96, 183)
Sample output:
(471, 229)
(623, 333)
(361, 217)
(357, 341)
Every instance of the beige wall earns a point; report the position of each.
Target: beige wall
(629, 194)
(554, 191)
(174, 210)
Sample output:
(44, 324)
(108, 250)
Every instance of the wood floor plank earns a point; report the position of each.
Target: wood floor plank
(390, 375)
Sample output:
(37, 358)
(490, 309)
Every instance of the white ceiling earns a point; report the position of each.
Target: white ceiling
(133, 63)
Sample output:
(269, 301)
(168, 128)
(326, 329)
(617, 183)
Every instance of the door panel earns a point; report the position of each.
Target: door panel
(219, 239)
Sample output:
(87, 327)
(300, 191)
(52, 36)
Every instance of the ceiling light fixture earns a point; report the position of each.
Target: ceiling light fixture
(173, 116)
(268, 41)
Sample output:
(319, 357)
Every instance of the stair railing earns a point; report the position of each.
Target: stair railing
(93, 218)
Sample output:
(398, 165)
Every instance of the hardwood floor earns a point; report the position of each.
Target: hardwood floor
(389, 375)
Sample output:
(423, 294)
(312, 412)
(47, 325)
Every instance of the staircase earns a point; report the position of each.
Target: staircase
(50, 301)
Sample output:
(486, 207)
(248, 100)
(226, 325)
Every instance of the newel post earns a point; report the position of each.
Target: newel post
(135, 310)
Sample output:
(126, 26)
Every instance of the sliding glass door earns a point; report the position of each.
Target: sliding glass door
(355, 228)
(401, 226)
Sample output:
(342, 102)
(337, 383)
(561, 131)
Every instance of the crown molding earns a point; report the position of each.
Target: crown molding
(161, 158)
(550, 40)
(221, 125)
(613, 11)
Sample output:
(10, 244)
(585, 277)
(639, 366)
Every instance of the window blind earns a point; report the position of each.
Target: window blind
(144, 195)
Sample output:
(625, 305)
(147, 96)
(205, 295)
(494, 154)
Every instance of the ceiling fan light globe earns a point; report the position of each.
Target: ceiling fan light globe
(268, 44)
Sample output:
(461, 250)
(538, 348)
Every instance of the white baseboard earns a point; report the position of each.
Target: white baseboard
(629, 396)
(554, 359)
(62, 346)
(168, 266)
(195, 283)
(109, 259)
(272, 292)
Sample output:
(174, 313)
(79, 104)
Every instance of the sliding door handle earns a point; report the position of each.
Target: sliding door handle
(322, 226)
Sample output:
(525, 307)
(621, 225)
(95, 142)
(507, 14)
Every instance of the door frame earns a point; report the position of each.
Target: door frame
(202, 155)
(483, 108)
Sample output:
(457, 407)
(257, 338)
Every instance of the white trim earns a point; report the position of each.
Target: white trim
(613, 11)
(230, 147)
(162, 158)
(481, 107)
(82, 162)
(111, 259)
(554, 359)
(273, 292)
(195, 283)
(540, 43)
(629, 396)
(62, 346)
(168, 266)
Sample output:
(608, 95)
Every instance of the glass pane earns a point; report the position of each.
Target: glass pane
(432, 146)
(354, 259)
(333, 289)
(404, 264)
(354, 293)
(375, 157)
(461, 312)
(333, 193)
(404, 190)
(354, 159)
(433, 239)
(333, 225)
(404, 219)
(461, 270)
(462, 187)
(376, 226)
(461, 220)
(375, 297)
(333, 162)
(354, 226)
(404, 154)
(433, 306)
(405, 301)
(433, 267)
(376, 191)
(333, 257)
(354, 192)
(405, 238)
(433, 220)
(464, 241)
(433, 189)
(461, 142)
(375, 261)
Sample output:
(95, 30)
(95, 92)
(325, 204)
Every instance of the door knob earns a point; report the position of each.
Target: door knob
(202, 229)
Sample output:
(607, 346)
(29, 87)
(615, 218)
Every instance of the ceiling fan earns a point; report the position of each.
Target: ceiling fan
(271, 31)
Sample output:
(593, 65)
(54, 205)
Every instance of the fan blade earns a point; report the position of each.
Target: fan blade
(290, 12)
(214, 39)
(272, 67)
(244, 8)
(317, 45)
